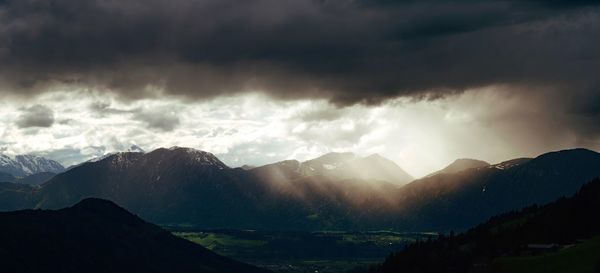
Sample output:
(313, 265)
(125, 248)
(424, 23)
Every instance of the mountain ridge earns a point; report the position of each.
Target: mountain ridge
(24, 165)
(461, 164)
(179, 186)
(561, 224)
(103, 237)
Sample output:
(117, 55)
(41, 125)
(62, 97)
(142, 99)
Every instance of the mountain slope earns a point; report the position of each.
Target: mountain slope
(36, 179)
(131, 149)
(174, 185)
(7, 177)
(342, 166)
(458, 201)
(14, 196)
(182, 186)
(563, 222)
(461, 165)
(23, 165)
(98, 236)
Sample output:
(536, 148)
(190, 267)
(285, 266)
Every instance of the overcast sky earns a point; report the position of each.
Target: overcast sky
(420, 82)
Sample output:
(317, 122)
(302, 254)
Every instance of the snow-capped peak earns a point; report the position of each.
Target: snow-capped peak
(135, 149)
(23, 165)
(201, 157)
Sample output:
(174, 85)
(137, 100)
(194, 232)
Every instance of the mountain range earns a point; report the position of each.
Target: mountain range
(98, 236)
(466, 198)
(24, 165)
(338, 191)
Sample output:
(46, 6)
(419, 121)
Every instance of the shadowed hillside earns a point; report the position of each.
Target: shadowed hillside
(567, 223)
(97, 236)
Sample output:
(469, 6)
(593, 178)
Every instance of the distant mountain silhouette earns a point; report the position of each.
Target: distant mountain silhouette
(461, 165)
(342, 166)
(181, 186)
(563, 222)
(98, 236)
(458, 201)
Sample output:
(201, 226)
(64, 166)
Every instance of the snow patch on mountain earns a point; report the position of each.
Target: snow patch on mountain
(24, 165)
(201, 157)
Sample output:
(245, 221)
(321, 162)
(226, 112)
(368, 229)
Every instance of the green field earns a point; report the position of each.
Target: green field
(223, 243)
(581, 258)
(299, 252)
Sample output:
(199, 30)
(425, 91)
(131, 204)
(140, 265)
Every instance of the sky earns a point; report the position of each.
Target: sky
(257, 81)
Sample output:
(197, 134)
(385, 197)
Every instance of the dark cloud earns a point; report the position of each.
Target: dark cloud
(35, 116)
(164, 121)
(346, 51)
(103, 109)
(326, 114)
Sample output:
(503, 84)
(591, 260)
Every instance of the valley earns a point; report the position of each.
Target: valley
(300, 252)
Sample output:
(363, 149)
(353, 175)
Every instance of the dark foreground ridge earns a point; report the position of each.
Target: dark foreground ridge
(566, 231)
(96, 235)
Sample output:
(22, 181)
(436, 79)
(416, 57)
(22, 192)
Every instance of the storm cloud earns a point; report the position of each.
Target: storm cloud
(35, 116)
(344, 51)
(165, 121)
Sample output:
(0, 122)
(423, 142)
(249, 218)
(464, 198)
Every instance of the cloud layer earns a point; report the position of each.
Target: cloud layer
(92, 76)
(35, 116)
(492, 124)
(343, 50)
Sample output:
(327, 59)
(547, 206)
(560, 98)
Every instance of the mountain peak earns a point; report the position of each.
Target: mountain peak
(196, 156)
(377, 156)
(462, 164)
(97, 204)
(570, 152)
(338, 155)
(566, 157)
(135, 149)
(101, 226)
(333, 158)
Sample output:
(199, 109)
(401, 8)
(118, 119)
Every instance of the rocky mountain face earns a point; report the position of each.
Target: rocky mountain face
(24, 165)
(104, 238)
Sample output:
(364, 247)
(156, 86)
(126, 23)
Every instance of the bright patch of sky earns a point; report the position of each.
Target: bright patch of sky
(421, 136)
